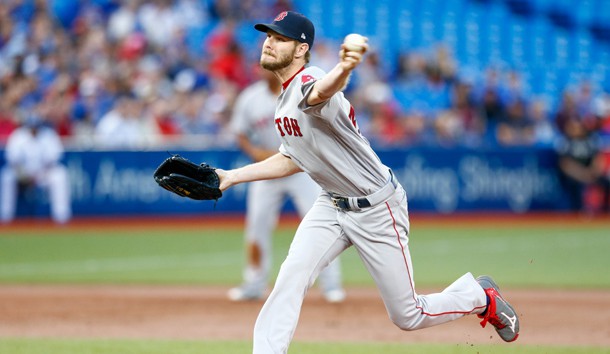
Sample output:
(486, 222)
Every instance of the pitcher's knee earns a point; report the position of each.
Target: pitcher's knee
(407, 319)
(406, 326)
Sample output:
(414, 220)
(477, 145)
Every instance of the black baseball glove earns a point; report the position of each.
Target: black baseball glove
(187, 179)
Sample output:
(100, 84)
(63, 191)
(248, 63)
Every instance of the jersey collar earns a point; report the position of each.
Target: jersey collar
(285, 84)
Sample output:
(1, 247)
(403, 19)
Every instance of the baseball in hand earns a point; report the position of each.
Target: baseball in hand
(354, 42)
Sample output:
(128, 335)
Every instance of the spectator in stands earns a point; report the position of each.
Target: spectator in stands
(96, 94)
(411, 74)
(489, 101)
(218, 108)
(516, 128)
(584, 100)
(444, 60)
(13, 37)
(192, 118)
(514, 89)
(158, 22)
(566, 113)
(58, 102)
(226, 59)
(544, 130)
(380, 118)
(372, 70)
(188, 101)
(448, 128)
(436, 91)
(410, 69)
(123, 21)
(104, 47)
(161, 112)
(581, 165)
(461, 124)
(324, 54)
(125, 126)
(150, 81)
(33, 154)
(7, 123)
(602, 113)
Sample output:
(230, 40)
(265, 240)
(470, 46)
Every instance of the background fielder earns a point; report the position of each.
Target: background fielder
(252, 122)
(33, 160)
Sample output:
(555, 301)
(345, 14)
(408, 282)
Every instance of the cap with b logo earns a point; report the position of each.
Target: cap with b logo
(292, 25)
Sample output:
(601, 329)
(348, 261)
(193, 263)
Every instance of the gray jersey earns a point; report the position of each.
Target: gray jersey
(253, 120)
(324, 140)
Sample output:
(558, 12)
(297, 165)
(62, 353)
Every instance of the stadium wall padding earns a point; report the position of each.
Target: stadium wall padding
(436, 179)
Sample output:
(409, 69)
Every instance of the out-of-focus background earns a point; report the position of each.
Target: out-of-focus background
(477, 105)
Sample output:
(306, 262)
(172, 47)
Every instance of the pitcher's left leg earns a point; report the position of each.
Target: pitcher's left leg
(380, 234)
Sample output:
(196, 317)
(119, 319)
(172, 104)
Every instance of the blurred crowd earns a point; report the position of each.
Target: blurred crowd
(137, 74)
(123, 74)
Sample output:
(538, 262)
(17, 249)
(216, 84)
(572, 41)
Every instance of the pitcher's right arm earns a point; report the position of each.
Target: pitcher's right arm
(276, 166)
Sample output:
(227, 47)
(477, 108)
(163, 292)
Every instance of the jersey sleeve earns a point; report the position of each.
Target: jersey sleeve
(283, 150)
(327, 110)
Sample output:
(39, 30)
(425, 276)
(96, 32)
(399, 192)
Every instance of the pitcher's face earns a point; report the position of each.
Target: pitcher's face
(278, 51)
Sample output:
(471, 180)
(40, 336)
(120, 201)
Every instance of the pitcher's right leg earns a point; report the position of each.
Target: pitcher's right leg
(317, 242)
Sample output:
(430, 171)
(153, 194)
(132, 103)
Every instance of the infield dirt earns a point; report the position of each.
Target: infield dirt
(200, 313)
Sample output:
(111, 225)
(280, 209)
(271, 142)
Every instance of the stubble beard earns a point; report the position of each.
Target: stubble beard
(283, 62)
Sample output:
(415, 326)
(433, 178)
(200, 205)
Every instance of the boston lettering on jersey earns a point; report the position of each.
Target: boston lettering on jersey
(290, 126)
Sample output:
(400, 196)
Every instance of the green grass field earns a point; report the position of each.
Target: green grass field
(548, 255)
(29, 346)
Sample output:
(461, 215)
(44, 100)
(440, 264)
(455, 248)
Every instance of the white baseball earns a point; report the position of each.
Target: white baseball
(354, 42)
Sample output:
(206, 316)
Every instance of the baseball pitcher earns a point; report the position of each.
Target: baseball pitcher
(361, 203)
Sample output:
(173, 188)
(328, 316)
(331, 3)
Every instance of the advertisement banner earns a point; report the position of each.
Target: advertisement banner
(436, 180)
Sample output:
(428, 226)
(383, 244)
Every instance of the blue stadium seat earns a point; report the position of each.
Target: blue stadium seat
(535, 76)
(562, 17)
(383, 29)
(449, 29)
(517, 35)
(521, 7)
(544, 41)
(404, 25)
(561, 46)
(550, 40)
(602, 55)
(541, 6)
(601, 11)
(476, 24)
(195, 37)
(584, 12)
(583, 47)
